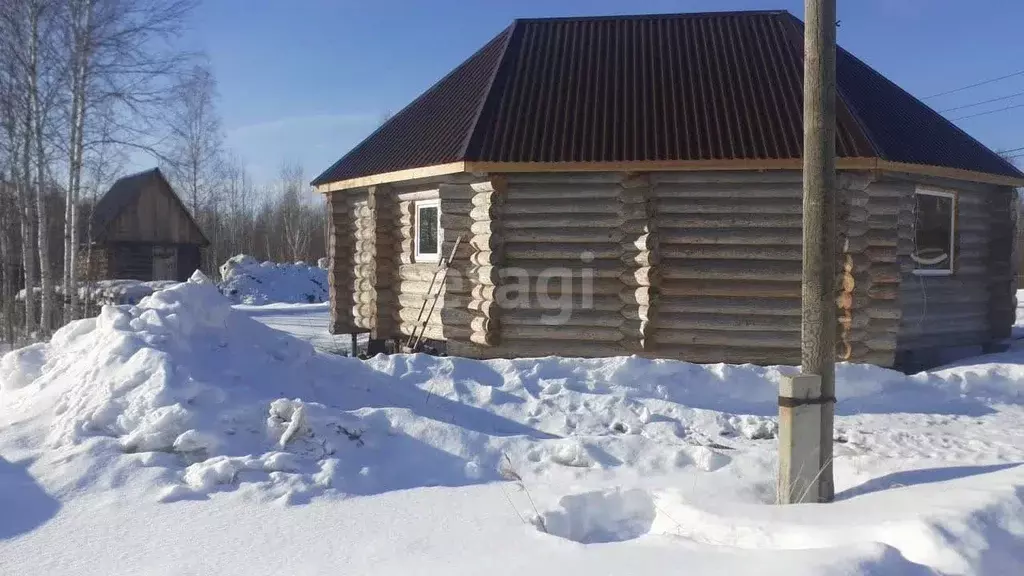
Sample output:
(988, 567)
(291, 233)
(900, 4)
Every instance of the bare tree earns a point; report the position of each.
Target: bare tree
(122, 56)
(291, 213)
(196, 154)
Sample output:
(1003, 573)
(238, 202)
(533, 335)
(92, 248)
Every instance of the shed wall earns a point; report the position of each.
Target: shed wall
(155, 217)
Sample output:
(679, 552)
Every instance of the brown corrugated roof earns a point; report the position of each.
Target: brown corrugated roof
(681, 87)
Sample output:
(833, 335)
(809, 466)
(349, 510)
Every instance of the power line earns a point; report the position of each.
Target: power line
(1010, 150)
(989, 112)
(989, 101)
(975, 85)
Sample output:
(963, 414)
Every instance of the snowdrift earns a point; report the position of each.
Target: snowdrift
(182, 396)
(246, 281)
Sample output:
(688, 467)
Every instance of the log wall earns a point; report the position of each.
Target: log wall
(875, 224)
(703, 267)
(974, 305)
(412, 282)
(349, 220)
(730, 267)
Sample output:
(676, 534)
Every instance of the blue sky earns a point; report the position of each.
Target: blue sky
(305, 80)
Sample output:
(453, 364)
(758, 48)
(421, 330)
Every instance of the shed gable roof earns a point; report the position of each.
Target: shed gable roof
(126, 192)
(714, 86)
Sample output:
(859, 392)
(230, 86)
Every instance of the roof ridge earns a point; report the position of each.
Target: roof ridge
(510, 31)
(654, 16)
(145, 172)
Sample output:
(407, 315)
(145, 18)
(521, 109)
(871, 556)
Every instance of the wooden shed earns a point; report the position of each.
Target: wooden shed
(141, 230)
(632, 185)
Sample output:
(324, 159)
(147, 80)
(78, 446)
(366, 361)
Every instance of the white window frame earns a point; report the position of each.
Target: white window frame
(952, 232)
(430, 256)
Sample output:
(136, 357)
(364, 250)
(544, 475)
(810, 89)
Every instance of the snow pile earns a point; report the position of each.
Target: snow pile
(180, 374)
(185, 398)
(246, 281)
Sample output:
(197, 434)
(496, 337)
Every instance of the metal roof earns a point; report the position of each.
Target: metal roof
(681, 87)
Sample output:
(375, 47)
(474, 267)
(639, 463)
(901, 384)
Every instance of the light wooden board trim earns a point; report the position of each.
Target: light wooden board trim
(397, 176)
(482, 168)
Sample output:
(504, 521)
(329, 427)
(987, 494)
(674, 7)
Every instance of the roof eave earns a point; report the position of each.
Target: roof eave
(875, 164)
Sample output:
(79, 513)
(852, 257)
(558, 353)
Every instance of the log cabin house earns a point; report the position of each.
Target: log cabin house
(632, 185)
(141, 230)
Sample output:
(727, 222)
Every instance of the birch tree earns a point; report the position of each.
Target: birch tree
(123, 57)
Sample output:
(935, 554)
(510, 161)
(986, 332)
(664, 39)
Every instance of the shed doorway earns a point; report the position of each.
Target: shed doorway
(165, 263)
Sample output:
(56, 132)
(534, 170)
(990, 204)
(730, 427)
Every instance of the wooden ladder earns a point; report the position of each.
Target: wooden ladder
(420, 326)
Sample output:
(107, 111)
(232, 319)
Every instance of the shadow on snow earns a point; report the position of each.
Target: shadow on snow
(24, 503)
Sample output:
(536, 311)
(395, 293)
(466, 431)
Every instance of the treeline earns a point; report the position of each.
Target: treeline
(85, 85)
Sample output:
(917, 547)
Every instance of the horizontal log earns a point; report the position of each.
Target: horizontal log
(561, 317)
(764, 289)
(790, 237)
(729, 338)
(564, 235)
(775, 270)
(898, 190)
(544, 192)
(790, 206)
(457, 191)
(942, 340)
(587, 333)
(732, 252)
(563, 205)
(409, 316)
(573, 301)
(727, 322)
(518, 266)
(418, 272)
(465, 316)
(451, 222)
(557, 251)
(724, 305)
(560, 221)
(756, 221)
(719, 181)
(575, 179)
(455, 206)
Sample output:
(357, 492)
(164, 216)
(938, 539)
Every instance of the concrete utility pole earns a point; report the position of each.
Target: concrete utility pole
(806, 402)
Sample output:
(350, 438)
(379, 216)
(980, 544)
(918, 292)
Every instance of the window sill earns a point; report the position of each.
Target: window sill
(933, 272)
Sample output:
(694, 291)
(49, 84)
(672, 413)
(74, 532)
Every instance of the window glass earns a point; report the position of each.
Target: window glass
(933, 239)
(427, 241)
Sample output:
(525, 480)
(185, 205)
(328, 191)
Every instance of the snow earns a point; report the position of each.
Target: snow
(309, 322)
(112, 291)
(247, 281)
(187, 435)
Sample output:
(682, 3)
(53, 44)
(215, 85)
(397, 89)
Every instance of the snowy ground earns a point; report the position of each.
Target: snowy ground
(180, 436)
(308, 322)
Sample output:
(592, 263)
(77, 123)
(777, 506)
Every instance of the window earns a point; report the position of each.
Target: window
(428, 230)
(934, 232)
